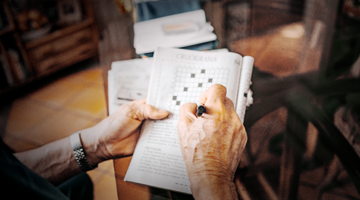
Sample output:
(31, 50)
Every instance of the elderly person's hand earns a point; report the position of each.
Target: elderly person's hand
(212, 145)
(116, 136)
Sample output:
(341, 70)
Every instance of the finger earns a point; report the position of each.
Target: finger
(141, 101)
(187, 113)
(213, 94)
(146, 111)
(214, 99)
(229, 103)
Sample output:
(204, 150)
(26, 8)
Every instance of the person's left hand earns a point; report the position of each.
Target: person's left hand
(116, 136)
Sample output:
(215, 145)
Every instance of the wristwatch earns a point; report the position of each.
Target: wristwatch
(79, 152)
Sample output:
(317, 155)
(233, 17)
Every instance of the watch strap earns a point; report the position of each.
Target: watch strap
(79, 152)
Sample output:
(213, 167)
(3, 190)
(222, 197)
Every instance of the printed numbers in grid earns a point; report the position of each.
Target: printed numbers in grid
(191, 82)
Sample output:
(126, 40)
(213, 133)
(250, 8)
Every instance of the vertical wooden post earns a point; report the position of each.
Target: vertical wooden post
(293, 150)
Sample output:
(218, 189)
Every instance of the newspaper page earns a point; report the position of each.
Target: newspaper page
(244, 89)
(177, 77)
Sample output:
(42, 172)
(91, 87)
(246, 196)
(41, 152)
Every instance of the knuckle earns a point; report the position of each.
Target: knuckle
(187, 107)
(131, 110)
(181, 125)
(229, 102)
(183, 107)
(221, 88)
(126, 108)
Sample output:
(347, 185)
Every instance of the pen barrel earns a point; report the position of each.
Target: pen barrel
(200, 110)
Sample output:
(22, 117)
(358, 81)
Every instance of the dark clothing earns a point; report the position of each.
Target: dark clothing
(19, 182)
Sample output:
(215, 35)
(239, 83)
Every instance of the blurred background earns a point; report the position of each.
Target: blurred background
(303, 126)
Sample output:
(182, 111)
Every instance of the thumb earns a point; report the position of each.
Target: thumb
(187, 113)
(150, 112)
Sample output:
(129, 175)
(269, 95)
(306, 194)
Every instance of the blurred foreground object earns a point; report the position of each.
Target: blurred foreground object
(180, 30)
(124, 6)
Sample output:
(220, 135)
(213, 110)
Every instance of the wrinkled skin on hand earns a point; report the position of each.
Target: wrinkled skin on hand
(114, 137)
(211, 144)
(118, 134)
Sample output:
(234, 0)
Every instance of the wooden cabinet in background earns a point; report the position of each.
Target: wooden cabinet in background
(60, 48)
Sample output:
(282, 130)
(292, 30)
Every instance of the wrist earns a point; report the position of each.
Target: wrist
(212, 188)
(92, 147)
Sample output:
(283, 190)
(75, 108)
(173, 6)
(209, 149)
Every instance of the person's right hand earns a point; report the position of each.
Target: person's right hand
(212, 145)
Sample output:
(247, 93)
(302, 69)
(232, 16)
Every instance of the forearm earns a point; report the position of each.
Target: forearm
(56, 161)
(113, 137)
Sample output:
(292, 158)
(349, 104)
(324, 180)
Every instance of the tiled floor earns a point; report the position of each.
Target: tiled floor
(57, 110)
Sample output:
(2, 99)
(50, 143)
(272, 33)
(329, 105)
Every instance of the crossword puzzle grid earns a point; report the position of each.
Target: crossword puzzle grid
(190, 82)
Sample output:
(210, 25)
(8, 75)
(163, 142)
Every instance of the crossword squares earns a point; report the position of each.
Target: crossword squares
(190, 82)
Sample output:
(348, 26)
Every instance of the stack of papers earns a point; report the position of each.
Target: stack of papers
(180, 30)
(129, 80)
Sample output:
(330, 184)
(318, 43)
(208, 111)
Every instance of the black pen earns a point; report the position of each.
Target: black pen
(200, 110)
